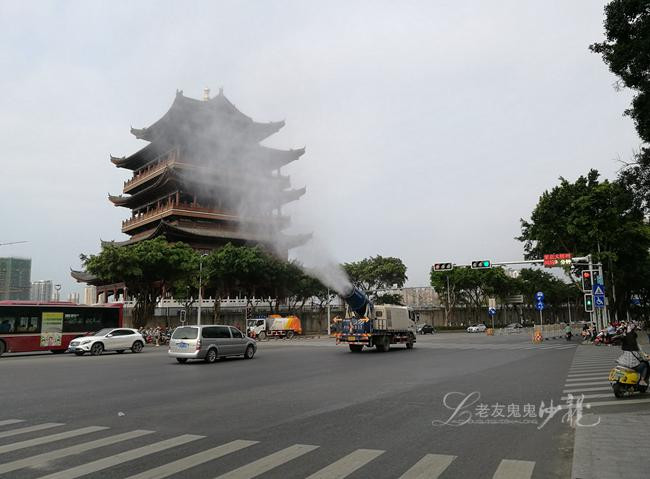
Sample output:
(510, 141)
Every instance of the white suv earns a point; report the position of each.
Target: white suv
(108, 339)
(478, 328)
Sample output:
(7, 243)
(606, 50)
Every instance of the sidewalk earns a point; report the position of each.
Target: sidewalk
(618, 447)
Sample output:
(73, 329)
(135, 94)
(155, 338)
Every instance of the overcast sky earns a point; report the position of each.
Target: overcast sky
(431, 127)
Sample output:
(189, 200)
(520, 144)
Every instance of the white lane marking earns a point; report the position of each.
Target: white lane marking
(509, 469)
(347, 465)
(51, 438)
(167, 470)
(25, 430)
(269, 462)
(589, 371)
(122, 457)
(589, 396)
(578, 390)
(69, 451)
(619, 402)
(7, 422)
(572, 377)
(430, 466)
(582, 380)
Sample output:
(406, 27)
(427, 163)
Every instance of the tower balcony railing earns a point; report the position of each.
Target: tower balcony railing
(192, 210)
(152, 169)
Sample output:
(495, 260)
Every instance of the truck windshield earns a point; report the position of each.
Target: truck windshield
(185, 333)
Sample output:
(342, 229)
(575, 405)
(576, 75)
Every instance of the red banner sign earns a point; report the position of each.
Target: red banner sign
(558, 259)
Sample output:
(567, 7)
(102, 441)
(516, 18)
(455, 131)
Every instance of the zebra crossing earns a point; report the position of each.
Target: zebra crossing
(588, 377)
(430, 466)
(505, 346)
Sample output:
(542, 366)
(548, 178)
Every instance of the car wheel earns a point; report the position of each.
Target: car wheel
(250, 352)
(97, 349)
(211, 356)
(79, 353)
(137, 347)
(181, 360)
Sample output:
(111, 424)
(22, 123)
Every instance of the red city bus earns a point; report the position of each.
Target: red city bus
(32, 326)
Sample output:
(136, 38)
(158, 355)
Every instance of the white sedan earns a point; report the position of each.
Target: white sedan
(477, 328)
(108, 339)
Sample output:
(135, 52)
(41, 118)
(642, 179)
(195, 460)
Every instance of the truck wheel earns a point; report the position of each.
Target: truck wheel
(383, 345)
(290, 334)
(262, 336)
(355, 348)
(409, 345)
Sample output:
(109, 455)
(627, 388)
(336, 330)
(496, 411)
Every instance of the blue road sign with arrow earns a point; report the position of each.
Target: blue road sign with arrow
(539, 296)
(492, 312)
(539, 305)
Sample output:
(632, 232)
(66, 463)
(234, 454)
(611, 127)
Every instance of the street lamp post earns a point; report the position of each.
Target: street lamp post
(329, 320)
(198, 315)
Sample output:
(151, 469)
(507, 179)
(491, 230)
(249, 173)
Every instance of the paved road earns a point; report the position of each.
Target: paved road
(300, 409)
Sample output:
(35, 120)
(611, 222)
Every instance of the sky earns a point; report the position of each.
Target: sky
(431, 127)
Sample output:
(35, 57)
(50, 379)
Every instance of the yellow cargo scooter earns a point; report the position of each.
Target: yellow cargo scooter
(626, 380)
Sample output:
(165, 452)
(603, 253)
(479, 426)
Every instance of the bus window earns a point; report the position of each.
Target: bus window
(93, 321)
(73, 323)
(27, 324)
(7, 325)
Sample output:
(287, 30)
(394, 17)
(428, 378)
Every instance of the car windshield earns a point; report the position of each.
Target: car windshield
(185, 333)
(102, 332)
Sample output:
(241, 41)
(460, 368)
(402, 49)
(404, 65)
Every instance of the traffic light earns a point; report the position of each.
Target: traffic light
(443, 266)
(482, 264)
(587, 281)
(589, 302)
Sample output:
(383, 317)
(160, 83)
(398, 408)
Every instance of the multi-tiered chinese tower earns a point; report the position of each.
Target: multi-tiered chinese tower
(204, 179)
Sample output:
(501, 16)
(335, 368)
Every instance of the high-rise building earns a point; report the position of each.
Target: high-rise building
(41, 291)
(90, 295)
(73, 297)
(15, 278)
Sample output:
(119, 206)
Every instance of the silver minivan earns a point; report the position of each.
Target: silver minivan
(209, 343)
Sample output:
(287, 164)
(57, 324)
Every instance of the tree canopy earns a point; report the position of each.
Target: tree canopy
(588, 216)
(626, 50)
(377, 274)
(147, 268)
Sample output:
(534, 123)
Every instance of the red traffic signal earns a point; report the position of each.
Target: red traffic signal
(587, 281)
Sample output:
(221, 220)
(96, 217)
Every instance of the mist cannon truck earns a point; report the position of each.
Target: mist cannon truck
(367, 324)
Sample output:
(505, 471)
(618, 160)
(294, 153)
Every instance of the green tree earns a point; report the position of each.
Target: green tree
(147, 268)
(377, 274)
(471, 288)
(588, 216)
(626, 50)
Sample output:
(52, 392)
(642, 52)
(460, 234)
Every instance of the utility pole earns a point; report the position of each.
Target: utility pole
(198, 315)
(329, 319)
(447, 309)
